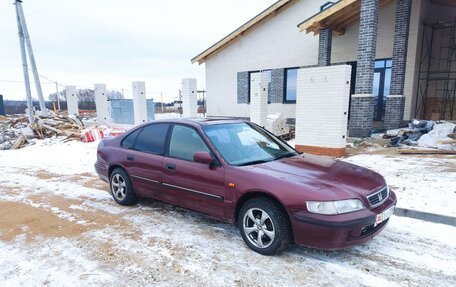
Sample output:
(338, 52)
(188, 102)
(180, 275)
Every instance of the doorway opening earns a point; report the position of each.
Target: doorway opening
(381, 89)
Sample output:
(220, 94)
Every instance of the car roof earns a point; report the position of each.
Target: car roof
(202, 121)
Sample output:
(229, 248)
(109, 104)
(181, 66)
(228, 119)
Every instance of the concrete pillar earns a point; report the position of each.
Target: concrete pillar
(324, 47)
(393, 117)
(72, 100)
(189, 98)
(362, 103)
(259, 98)
(139, 102)
(101, 104)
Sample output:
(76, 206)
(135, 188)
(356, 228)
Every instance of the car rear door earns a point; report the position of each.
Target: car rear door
(191, 184)
(145, 158)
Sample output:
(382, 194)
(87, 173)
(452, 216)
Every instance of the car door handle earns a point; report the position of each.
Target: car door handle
(170, 166)
(130, 157)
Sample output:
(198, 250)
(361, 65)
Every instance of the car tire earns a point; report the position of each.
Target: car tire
(264, 226)
(121, 187)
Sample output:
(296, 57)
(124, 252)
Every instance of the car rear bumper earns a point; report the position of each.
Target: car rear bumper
(102, 171)
(339, 231)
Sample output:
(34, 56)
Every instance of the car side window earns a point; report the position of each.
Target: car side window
(185, 142)
(129, 141)
(152, 138)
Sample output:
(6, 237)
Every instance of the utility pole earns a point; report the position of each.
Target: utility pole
(28, 43)
(163, 108)
(28, 92)
(58, 96)
(180, 103)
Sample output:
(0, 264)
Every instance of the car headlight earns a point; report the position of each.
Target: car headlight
(335, 207)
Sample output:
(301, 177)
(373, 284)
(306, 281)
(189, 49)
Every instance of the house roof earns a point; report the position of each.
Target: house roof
(336, 17)
(201, 58)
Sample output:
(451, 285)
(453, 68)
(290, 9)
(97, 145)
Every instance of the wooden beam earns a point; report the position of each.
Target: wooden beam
(336, 17)
(325, 13)
(352, 11)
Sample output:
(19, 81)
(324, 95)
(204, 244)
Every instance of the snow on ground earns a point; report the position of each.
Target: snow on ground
(60, 226)
(425, 183)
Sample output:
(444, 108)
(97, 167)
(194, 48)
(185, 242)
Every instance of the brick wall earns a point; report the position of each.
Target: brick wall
(242, 87)
(277, 85)
(367, 41)
(322, 107)
(361, 115)
(400, 45)
(324, 47)
(394, 111)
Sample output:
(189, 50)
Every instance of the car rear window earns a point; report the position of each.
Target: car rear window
(129, 141)
(152, 138)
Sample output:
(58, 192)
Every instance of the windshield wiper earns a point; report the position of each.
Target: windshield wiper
(254, 162)
(286, 155)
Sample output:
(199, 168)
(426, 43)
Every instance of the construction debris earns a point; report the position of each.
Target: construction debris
(15, 132)
(422, 133)
(10, 130)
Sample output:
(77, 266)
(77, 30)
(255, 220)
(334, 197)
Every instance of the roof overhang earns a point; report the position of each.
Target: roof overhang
(201, 58)
(336, 17)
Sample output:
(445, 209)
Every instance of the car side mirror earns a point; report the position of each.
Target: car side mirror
(203, 157)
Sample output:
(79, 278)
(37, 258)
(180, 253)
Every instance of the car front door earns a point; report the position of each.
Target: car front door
(145, 159)
(190, 184)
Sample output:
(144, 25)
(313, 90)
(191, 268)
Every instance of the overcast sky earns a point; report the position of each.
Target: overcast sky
(83, 42)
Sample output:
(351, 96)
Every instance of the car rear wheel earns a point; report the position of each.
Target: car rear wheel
(121, 188)
(264, 226)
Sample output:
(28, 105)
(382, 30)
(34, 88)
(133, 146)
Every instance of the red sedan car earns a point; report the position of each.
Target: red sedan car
(236, 171)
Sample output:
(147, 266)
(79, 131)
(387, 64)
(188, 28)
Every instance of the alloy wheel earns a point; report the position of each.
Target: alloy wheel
(258, 227)
(118, 187)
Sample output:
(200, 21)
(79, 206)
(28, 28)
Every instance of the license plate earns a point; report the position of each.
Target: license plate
(384, 215)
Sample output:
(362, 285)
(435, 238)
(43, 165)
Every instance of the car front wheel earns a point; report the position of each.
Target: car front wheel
(121, 188)
(264, 226)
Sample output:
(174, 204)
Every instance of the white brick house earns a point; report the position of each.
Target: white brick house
(386, 60)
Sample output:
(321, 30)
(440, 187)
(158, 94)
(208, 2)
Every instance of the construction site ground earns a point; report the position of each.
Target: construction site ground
(59, 226)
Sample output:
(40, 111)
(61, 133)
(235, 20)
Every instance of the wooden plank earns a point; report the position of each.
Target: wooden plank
(352, 12)
(426, 151)
(337, 17)
(18, 142)
(325, 13)
(447, 141)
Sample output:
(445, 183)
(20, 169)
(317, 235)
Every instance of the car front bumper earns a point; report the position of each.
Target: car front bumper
(339, 231)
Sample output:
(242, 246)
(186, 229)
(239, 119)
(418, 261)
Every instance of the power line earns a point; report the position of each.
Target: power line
(21, 82)
(56, 3)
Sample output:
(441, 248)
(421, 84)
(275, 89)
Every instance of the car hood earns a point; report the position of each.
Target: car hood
(337, 179)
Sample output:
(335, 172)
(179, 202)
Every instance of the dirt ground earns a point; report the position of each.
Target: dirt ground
(64, 229)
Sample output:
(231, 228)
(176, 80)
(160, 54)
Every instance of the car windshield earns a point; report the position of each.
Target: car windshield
(245, 144)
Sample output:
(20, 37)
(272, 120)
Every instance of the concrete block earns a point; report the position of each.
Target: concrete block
(189, 98)
(139, 102)
(101, 103)
(321, 109)
(72, 100)
(259, 98)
